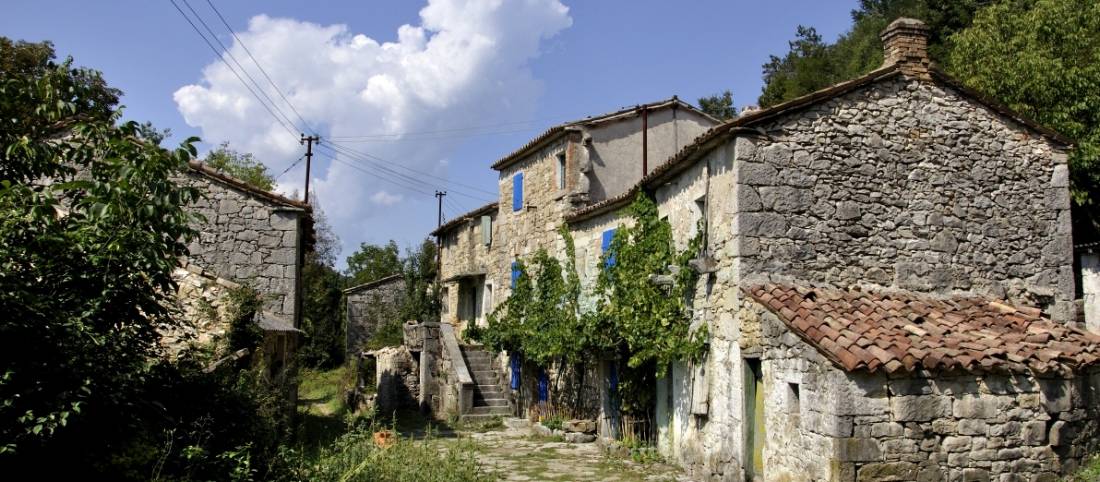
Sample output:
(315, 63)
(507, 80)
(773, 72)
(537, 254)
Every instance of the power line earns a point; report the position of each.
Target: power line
(234, 59)
(419, 173)
(262, 71)
(356, 155)
(446, 131)
(360, 168)
(436, 137)
(295, 163)
(230, 67)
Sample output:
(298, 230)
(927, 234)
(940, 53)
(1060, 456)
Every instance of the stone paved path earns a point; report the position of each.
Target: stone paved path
(513, 453)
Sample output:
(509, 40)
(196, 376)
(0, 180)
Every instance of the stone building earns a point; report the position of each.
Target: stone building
(370, 305)
(891, 292)
(886, 281)
(246, 236)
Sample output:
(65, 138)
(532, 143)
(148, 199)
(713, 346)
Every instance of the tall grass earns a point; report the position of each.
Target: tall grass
(355, 457)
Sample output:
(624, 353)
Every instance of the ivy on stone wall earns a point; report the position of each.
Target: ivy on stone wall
(637, 318)
(643, 296)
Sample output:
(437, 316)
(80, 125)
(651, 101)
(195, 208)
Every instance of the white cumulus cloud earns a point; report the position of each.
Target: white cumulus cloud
(466, 62)
(385, 199)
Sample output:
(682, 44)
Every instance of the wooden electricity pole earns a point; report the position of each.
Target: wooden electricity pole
(308, 141)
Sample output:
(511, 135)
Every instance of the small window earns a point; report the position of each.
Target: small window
(517, 191)
(794, 403)
(444, 305)
(488, 302)
(561, 170)
(515, 273)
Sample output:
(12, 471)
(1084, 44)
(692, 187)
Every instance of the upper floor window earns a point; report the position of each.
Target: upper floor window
(517, 191)
(561, 170)
(515, 273)
(486, 230)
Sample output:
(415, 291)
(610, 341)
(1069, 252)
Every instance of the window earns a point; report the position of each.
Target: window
(517, 191)
(794, 403)
(444, 306)
(561, 170)
(488, 302)
(515, 273)
(605, 246)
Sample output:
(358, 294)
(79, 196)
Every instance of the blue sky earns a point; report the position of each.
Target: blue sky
(466, 103)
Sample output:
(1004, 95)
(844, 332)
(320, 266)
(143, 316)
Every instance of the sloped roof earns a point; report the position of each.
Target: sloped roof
(746, 124)
(462, 218)
(901, 332)
(209, 172)
(555, 131)
(372, 284)
(268, 322)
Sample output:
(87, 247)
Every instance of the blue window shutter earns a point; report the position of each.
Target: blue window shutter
(606, 246)
(517, 191)
(515, 273)
(544, 385)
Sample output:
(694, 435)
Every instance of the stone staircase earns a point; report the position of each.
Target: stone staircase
(490, 400)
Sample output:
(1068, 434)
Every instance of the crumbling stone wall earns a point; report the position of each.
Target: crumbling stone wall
(368, 307)
(908, 184)
(249, 240)
(397, 376)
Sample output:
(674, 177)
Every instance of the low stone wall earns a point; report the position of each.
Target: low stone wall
(397, 376)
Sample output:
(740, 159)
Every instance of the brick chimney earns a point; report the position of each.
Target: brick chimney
(905, 43)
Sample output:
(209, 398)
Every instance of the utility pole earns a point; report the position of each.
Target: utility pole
(440, 194)
(439, 238)
(308, 141)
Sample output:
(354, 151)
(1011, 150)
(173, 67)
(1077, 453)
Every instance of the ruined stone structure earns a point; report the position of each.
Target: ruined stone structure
(250, 236)
(886, 281)
(369, 305)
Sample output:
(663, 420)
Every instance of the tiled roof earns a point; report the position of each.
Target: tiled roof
(553, 132)
(462, 218)
(906, 332)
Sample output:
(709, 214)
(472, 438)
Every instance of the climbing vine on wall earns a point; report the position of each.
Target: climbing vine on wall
(643, 294)
(639, 318)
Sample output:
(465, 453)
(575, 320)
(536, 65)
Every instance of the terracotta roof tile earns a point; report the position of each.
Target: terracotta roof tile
(905, 332)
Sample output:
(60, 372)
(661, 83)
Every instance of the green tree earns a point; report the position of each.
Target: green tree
(812, 64)
(85, 261)
(421, 268)
(720, 106)
(241, 165)
(374, 262)
(1042, 58)
(322, 318)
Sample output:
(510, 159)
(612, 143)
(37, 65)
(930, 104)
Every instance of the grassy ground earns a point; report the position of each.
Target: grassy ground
(321, 408)
(1089, 472)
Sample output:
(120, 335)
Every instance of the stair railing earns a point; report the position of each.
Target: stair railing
(462, 382)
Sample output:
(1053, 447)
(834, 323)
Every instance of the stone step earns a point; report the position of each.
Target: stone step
(480, 367)
(486, 410)
(484, 375)
(490, 402)
(483, 417)
(489, 389)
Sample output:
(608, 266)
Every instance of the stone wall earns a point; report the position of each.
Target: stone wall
(397, 376)
(1090, 290)
(250, 240)
(368, 307)
(911, 185)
